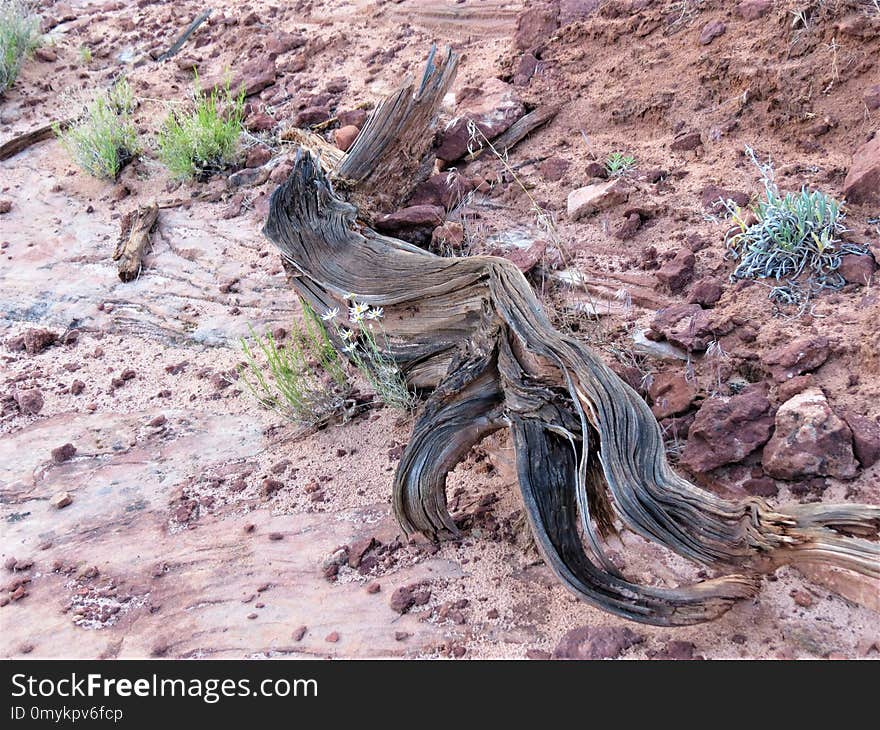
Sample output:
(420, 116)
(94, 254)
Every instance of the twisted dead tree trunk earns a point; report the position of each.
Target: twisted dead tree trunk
(589, 451)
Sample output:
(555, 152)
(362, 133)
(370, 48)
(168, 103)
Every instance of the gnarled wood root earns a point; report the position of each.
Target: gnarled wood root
(589, 451)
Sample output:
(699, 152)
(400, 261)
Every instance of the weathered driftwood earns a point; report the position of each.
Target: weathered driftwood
(134, 239)
(20, 143)
(519, 130)
(471, 333)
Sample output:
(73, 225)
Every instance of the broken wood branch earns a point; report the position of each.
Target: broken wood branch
(134, 239)
(590, 454)
(519, 130)
(178, 44)
(20, 143)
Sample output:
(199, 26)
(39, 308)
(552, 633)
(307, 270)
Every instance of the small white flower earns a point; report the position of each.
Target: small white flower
(330, 314)
(357, 311)
(348, 349)
(346, 335)
(375, 313)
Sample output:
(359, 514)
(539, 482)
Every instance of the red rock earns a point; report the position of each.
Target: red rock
(712, 195)
(809, 440)
(29, 400)
(268, 487)
(46, 54)
(37, 340)
(251, 78)
(539, 654)
(677, 272)
(446, 189)
(449, 236)
(571, 11)
(374, 588)
(761, 487)
(359, 549)
(415, 216)
(597, 197)
(258, 156)
(726, 430)
(628, 227)
(353, 118)
(553, 169)
(866, 438)
(686, 142)
(77, 387)
(858, 269)
(712, 30)
(601, 642)
(754, 9)
(684, 325)
(282, 42)
(526, 259)
(402, 599)
(345, 137)
(862, 183)
(798, 357)
(802, 598)
(260, 122)
(5, 206)
(276, 536)
(525, 69)
(61, 500)
(596, 169)
(332, 637)
(706, 292)
(63, 453)
(281, 172)
(535, 25)
(299, 634)
(872, 97)
(791, 388)
(401, 635)
(493, 108)
(248, 177)
(671, 393)
(677, 650)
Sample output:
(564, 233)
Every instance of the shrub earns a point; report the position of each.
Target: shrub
(18, 37)
(103, 139)
(304, 380)
(204, 139)
(793, 238)
(618, 164)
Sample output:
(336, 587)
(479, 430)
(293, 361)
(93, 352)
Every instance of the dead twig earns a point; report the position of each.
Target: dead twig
(178, 44)
(28, 139)
(134, 239)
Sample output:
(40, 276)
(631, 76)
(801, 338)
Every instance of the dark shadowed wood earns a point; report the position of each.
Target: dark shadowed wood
(590, 456)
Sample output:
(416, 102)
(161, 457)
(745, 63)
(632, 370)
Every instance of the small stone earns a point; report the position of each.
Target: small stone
(798, 357)
(596, 197)
(402, 600)
(678, 272)
(332, 637)
(589, 642)
(761, 487)
(299, 633)
(276, 536)
(712, 30)
(63, 453)
(5, 206)
(802, 598)
(754, 9)
(671, 394)
(449, 236)
(401, 635)
(862, 183)
(538, 654)
(157, 421)
(858, 269)
(686, 142)
(866, 438)
(374, 588)
(345, 137)
(61, 500)
(352, 118)
(705, 292)
(29, 400)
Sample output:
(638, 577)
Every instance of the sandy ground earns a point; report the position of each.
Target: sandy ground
(169, 547)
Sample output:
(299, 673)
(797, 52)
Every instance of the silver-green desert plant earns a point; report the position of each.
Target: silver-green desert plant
(202, 139)
(103, 139)
(18, 37)
(793, 238)
(618, 164)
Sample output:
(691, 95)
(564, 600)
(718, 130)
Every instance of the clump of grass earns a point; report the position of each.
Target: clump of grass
(365, 344)
(103, 139)
(304, 380)
(85, 55)
(618, 164)
(18, 37)
(794, 238)
(203, 140)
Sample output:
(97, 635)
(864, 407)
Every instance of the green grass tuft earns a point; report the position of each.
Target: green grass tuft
(304, 380)
(103, 140)
(18, 37)
(203, 140)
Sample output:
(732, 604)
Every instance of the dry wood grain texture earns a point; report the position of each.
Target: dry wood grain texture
(471, 334)
(134, 239)
(21, 142)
